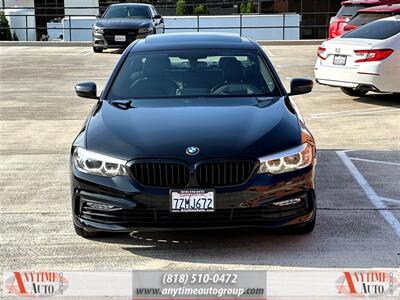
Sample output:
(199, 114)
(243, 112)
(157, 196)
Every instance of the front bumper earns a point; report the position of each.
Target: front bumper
(250, 205)
(106, 40)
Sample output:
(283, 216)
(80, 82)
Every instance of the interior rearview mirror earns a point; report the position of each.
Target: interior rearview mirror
(86, 90)
(299, 86)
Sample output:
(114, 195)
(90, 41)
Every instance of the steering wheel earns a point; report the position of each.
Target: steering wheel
(144, 87)
(234, 88)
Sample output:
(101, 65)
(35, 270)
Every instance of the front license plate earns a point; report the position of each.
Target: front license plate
(184, 201)
(120, 38)
(339, 60)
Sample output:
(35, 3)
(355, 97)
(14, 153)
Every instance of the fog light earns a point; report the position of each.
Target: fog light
(96, 205)
(288, 202)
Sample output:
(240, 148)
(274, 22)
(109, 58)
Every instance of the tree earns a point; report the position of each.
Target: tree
(243, 8)
(180, 7)
(200, 10)
(249, 7)
(5, 32)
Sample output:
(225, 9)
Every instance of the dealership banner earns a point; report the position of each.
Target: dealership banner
(173, 284)
(346, 284)
(199, 285)
(77, 285)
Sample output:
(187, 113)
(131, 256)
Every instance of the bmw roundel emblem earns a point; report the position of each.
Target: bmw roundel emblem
(192, 150)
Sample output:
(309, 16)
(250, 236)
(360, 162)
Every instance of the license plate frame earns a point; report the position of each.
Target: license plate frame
(120, 38)
(199, 201)
(340, 60)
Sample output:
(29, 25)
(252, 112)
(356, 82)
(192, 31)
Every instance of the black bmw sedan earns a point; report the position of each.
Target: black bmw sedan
(121, 24)
(193, 130)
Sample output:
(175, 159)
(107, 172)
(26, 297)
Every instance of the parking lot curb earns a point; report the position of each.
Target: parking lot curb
(44, 44)
(89, 44)
(290, 42)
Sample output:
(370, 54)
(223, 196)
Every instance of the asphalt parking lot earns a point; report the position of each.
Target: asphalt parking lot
(358, 177)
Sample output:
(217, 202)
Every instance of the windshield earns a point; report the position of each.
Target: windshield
(350, 10)
(377, 30)
(194, 73)
(365, 18)
(129, 11)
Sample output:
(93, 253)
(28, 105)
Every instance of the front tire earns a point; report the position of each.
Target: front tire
(97, 50)
(353, 92)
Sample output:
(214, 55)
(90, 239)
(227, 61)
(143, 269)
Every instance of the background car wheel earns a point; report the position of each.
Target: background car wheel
(86, 234)
(353, 92)
(97, 49)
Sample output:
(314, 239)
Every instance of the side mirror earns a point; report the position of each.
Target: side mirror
(157, 17)
(299, 86)
(99, 16)
(86, 90)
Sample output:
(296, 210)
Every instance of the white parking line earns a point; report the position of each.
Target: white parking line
(375, 161)
(80, 51)
(335, 114)
(390, 200)
(269, 53)
(370, 193)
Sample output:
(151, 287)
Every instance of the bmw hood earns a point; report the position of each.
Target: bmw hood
(123, 23)
(166, 128)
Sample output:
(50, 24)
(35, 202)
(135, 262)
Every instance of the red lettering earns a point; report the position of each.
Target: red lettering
(20, 282)
(350, 282)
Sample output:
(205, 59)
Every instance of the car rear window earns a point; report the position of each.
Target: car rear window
(378, 30)
(193, 73)
(365, 18)
(350, 10)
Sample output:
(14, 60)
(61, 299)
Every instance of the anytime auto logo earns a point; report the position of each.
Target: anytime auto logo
(36, 284)
(367, 284)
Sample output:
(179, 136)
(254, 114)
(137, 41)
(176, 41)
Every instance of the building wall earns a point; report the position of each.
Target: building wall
(20, 3)
(77, 7)
(281, 6)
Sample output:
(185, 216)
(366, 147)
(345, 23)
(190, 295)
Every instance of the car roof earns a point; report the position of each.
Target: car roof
(130, 4)
(193, 40)
(369, 2)
(393, 8)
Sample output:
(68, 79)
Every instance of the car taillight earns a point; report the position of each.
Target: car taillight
(321, 52)
(372, 54)
(349, 27)
(335, 26)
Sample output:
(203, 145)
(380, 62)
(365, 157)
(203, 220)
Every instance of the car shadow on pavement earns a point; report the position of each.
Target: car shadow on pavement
(390, 100)
(257, 248)
(226, 246)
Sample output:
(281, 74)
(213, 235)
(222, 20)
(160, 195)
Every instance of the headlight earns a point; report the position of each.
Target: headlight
(98, 30)
(291, 160)
(145, 30)
(98, 164)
